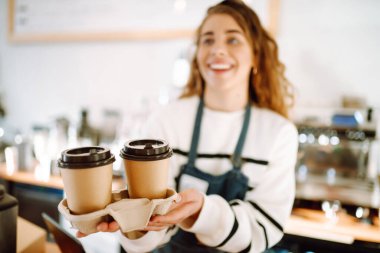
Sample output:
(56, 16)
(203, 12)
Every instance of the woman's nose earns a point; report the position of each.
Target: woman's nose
(218, 50)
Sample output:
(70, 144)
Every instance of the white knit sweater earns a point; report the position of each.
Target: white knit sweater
(262, 215)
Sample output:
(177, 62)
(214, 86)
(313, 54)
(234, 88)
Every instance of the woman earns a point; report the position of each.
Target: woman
(234, 148)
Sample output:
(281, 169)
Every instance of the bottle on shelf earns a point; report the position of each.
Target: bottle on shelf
(86, 134)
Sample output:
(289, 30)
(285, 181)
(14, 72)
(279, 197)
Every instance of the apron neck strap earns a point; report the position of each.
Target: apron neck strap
(236, 157)
(196, 133)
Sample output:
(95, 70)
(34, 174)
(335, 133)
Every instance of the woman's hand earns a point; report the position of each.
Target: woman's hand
(184, 211)
(102, 227)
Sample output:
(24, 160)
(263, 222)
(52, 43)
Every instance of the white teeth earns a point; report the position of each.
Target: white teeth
(220, 66)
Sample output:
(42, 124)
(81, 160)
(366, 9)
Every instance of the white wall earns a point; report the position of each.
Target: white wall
(330, 47)
(44, 80)
(40, 81)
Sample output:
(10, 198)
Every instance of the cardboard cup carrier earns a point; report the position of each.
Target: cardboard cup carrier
(87, 178)
(146, 163)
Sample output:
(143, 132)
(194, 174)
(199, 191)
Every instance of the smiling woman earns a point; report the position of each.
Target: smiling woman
(268, 87)
(234, 149)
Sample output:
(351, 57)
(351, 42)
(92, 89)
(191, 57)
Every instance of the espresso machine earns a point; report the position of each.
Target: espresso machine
(338, 163)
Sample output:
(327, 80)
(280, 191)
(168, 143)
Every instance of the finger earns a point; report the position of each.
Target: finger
(177, 200)
(174, 216)
(187, 196)
(157, 224)
(154, 228)
(113, 226)
(182, 199)
(102, 227)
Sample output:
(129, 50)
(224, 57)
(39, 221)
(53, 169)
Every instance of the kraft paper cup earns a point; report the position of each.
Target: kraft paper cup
(146, 163)
(87, 178)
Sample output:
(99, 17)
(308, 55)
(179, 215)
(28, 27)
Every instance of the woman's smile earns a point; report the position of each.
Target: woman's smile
(220, 67)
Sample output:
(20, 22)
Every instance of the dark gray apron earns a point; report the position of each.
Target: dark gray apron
(230, 185)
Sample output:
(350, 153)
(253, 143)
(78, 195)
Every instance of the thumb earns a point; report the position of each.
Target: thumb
(176, 202)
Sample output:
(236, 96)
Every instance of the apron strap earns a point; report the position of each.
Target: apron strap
(236, 157)
(196, 133)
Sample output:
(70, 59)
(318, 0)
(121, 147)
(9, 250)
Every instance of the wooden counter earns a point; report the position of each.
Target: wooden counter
(28, 177)
(31, 238)
(347, 229)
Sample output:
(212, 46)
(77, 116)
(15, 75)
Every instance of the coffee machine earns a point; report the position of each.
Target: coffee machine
(338, 163)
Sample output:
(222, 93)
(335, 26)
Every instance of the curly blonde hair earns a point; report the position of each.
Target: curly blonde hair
(268, 86)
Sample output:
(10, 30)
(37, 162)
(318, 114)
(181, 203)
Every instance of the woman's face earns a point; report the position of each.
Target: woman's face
(224, 55)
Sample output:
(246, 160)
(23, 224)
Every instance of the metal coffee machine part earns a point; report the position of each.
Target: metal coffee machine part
(338, 163)
(8, 221)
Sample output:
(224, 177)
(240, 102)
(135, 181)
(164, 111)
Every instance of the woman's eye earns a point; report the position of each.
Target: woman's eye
(232, 41)
(207, 41)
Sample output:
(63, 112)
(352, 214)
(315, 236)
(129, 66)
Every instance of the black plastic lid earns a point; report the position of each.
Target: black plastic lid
(146, 150)
(85, 157)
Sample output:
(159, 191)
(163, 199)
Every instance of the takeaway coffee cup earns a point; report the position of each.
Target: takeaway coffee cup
(146, 163)
(87, 178)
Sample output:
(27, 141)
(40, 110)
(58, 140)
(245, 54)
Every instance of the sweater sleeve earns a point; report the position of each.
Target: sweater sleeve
(257, 223)
(148, 242)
